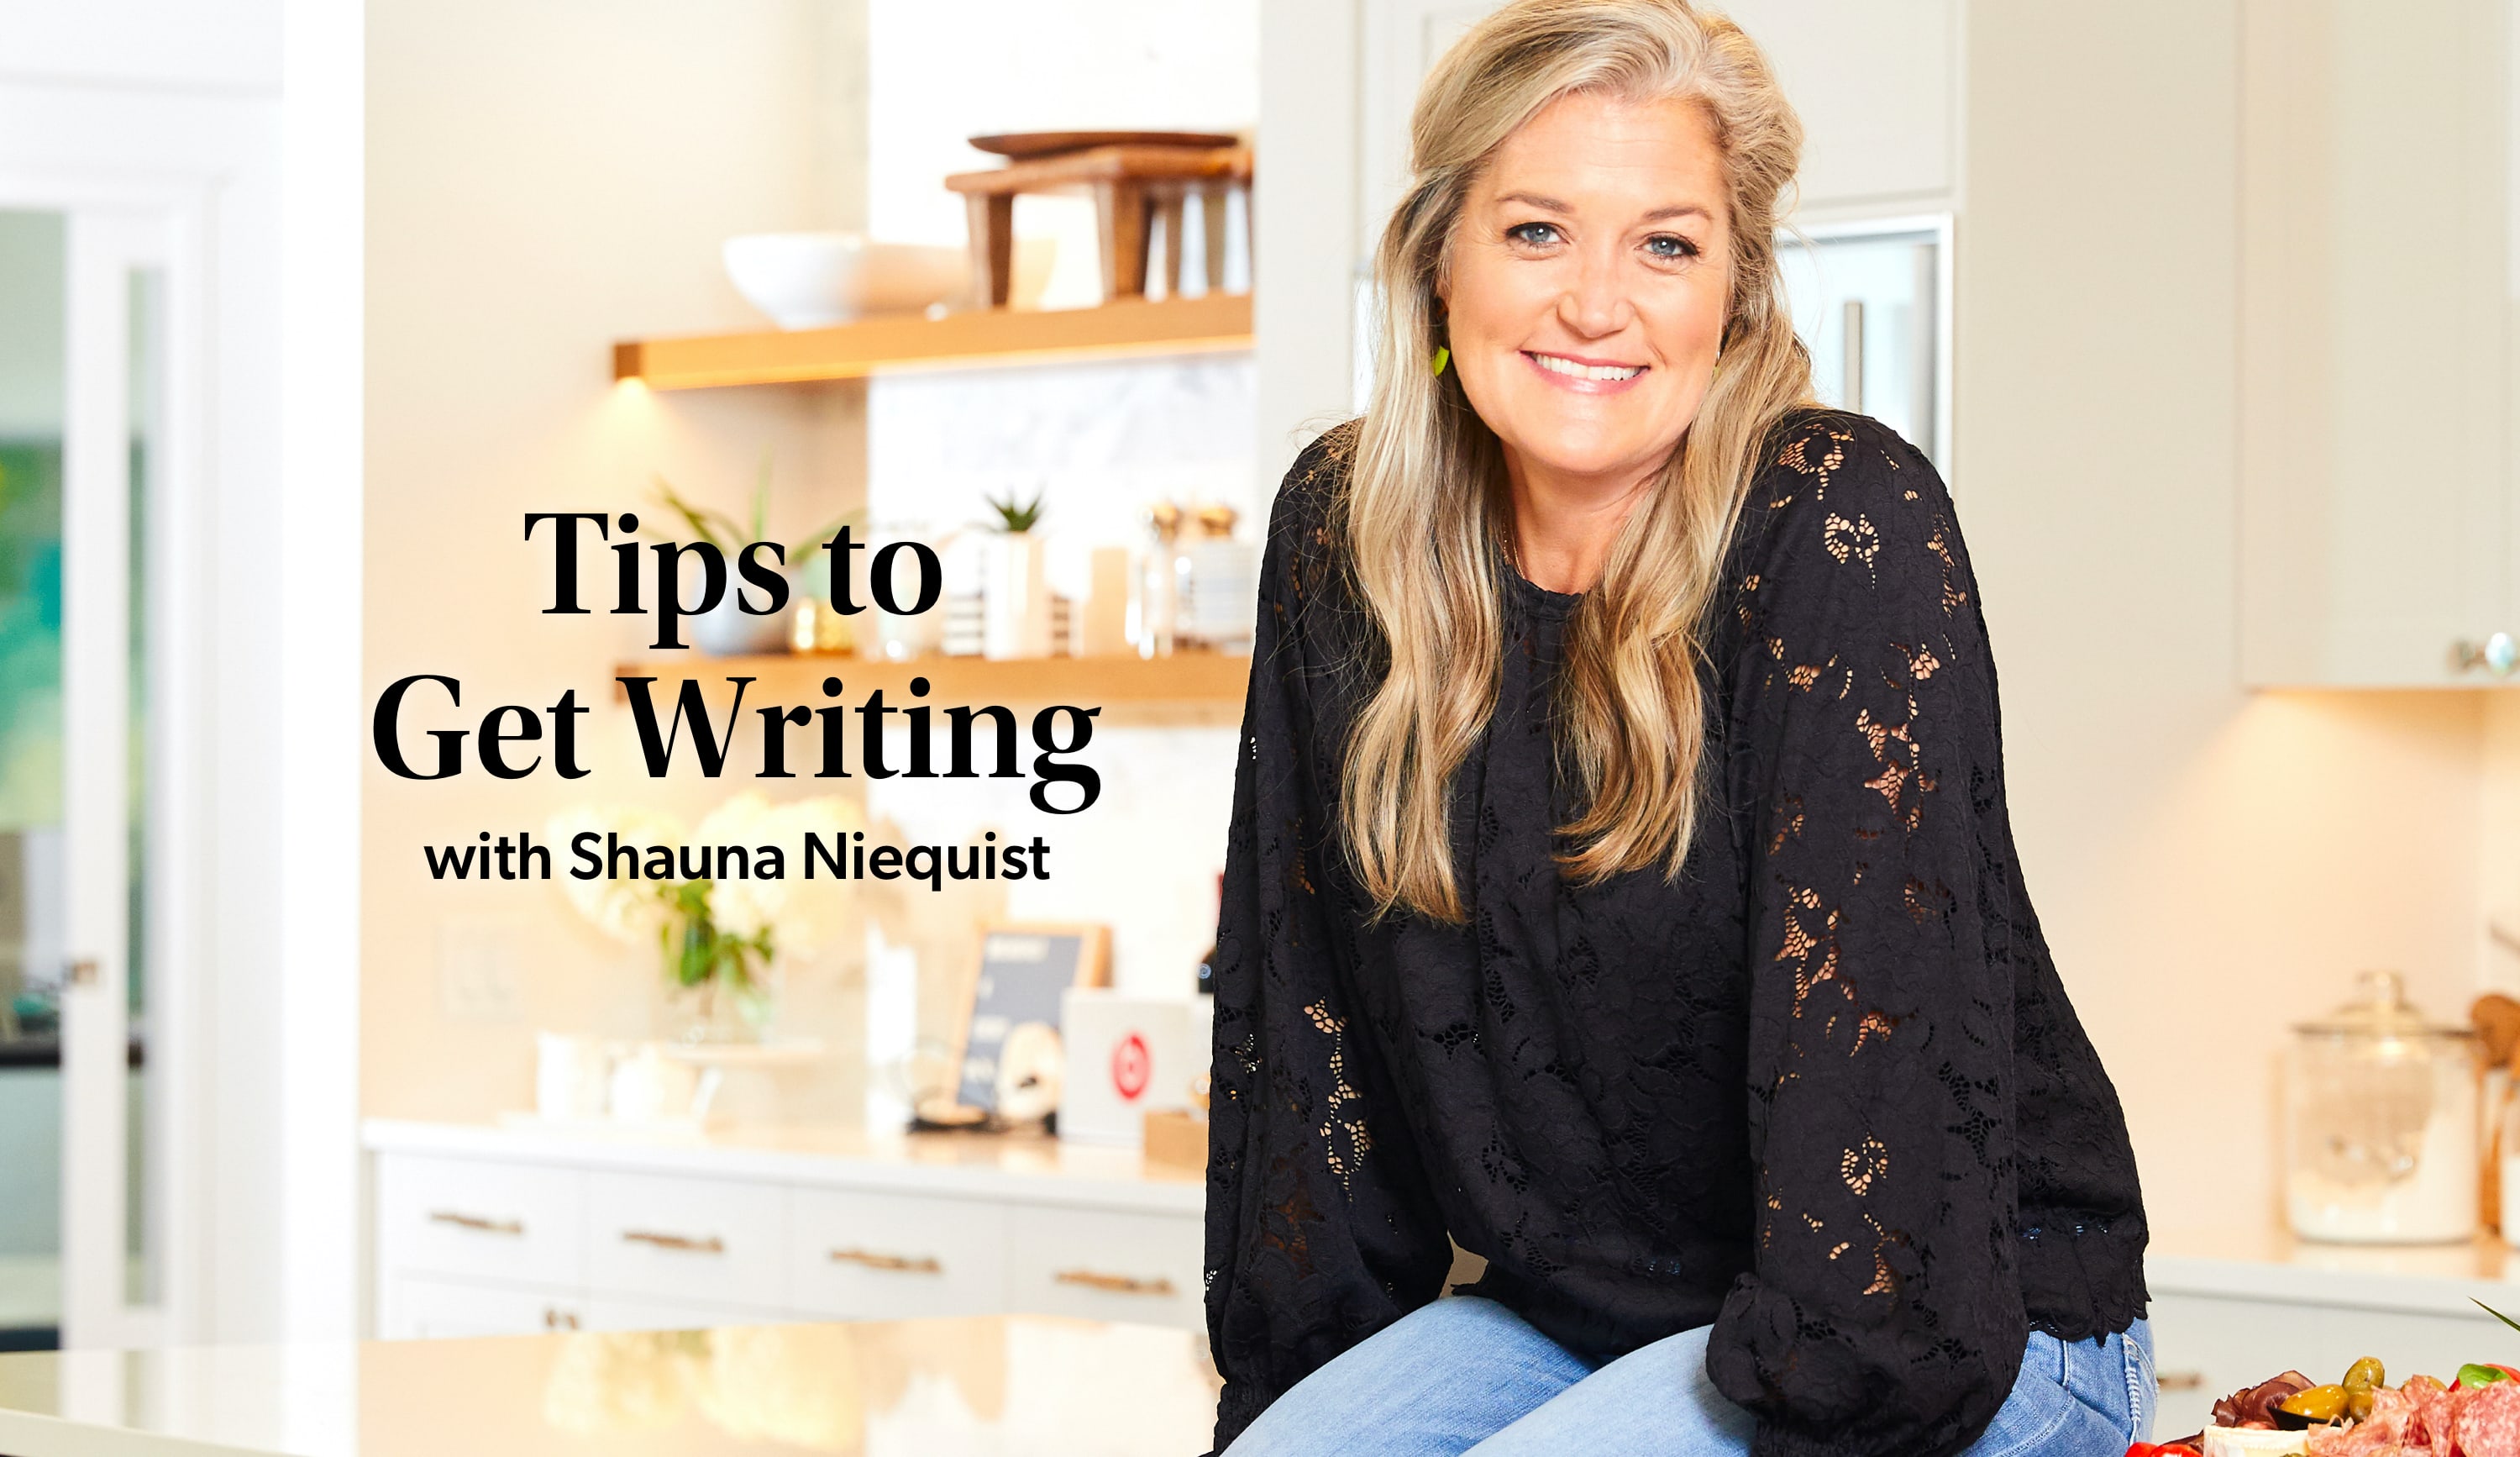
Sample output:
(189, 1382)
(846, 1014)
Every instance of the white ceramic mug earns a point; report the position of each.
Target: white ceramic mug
(650, 1087)
(569, 1075)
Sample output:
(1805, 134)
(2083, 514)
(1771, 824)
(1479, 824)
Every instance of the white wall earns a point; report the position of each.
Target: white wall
(543, 179)
(2211, 865)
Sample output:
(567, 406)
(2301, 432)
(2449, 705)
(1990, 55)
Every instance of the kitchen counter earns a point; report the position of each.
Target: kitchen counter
(1001, 1384)
(2234, 1305)
(518, 1226)
(2266, 1262)
(2261, 1262)
(486, 1230)
(978, 1166)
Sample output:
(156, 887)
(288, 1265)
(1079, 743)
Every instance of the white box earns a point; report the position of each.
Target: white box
(1127, 1056)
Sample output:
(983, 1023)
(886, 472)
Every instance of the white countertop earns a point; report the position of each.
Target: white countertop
(2267, 1263)
(978, 1166)
(1005, 1386)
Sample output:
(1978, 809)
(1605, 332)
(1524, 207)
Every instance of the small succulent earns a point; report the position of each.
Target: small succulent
(1015, 520)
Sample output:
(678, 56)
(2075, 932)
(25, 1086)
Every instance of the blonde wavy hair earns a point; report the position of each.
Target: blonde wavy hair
(1426, 508)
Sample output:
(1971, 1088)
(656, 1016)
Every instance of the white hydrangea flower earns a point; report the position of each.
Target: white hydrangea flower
(629, 910)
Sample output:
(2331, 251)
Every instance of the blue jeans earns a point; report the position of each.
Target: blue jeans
(1467, 1375)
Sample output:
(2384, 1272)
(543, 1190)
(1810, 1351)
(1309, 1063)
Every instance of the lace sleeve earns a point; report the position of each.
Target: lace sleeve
(1320, 1227)
(1884, 1313)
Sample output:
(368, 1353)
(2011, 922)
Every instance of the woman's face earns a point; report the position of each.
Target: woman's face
(1588, 288)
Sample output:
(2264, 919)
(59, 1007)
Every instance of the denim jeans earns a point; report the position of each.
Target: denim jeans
(1466, 1375)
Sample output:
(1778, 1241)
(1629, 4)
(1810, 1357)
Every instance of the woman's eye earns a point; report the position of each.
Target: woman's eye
(1535, 234)
(1669, 246)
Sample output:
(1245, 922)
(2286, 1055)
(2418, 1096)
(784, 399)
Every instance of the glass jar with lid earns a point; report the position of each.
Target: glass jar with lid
(2380, 1119)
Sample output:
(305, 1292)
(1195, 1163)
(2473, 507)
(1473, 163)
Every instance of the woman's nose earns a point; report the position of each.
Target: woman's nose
(1595, 302)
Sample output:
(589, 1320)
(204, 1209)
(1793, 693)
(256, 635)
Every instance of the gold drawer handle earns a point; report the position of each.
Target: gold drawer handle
(919, 1265)
(559, 1320)
(476, 1222)
(711, 1246)
(2180, 1380)
(1127, 1284)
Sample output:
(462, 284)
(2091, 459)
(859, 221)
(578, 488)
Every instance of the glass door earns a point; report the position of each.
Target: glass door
(85, 938)
(33, 939)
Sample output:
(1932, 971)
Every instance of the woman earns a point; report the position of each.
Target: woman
(1621, 882)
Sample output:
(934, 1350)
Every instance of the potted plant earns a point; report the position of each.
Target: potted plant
(727, 630)
(1015, 607)
(720, 940)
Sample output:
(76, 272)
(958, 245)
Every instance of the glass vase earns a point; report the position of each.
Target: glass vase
(717, 1013)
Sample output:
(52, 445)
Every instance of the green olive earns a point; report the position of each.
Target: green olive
(2357, 1403)
(2366, 1374)
(2319, 1403)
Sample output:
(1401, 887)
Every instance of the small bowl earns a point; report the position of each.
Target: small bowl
(815, 280)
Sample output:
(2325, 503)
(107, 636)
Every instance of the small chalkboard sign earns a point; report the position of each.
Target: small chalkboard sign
(1024, 970)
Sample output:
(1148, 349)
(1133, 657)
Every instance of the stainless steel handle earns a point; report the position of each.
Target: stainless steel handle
(476, 1222)
(2498, 655)
(711, 1244)
(1126, 1285)
(915, 1264)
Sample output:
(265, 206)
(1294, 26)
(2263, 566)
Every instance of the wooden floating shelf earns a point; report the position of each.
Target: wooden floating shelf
(1188, 689)
(1137, 328)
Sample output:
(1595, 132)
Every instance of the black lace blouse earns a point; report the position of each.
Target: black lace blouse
(1824, 1092)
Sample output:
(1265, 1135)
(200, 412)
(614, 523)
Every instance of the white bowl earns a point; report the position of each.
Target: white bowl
(815, 280)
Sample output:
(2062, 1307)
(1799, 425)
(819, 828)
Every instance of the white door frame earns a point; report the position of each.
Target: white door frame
(112, 228)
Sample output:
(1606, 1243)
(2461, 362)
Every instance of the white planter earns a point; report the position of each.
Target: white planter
(727, 630)
(1016, 615)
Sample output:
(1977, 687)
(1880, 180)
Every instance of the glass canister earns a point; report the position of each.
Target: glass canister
(2380, 1117)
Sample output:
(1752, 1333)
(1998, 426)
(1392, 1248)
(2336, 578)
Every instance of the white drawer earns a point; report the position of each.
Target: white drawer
(422, 1307)
(1106, 1266)
(889, 1257)
(634, 1313)
(478, 1217)
(717, 1241)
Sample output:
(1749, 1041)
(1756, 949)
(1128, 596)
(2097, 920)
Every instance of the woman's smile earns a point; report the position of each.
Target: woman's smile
(1585, 376)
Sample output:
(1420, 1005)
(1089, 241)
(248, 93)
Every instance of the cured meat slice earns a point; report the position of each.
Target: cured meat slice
(2488, 1422)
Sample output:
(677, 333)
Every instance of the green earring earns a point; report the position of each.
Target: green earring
(1443, 356)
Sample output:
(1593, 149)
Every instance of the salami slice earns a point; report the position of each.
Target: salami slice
(2487, 1424)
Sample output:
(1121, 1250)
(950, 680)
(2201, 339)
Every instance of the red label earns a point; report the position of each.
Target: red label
(1131, 1066)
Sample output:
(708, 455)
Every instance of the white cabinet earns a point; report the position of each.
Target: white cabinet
(1108, 1267)
(482, 1234)
(720, 1241)
(421, 1306)
(646, 1313)
(2375, 400)
(512, 1222)
(859, 1255)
